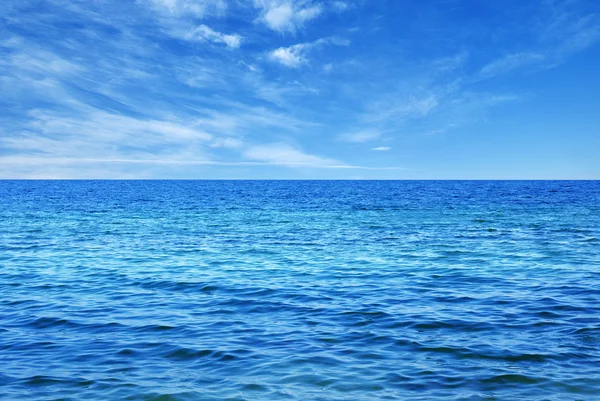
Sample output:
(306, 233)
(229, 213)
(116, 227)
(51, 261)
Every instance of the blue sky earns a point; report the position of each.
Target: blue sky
(352, 89)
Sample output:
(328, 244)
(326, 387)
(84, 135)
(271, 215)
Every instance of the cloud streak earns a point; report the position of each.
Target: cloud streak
(283, 154)
(360, 136)
(296, 55)
(204, 33)
(509, 63)
(189, 8)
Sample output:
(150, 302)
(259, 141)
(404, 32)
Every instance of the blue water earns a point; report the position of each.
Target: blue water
(299, 290)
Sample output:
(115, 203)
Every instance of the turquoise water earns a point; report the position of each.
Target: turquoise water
(299, 290)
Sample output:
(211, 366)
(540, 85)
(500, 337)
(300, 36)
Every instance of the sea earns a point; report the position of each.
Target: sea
(299, 290)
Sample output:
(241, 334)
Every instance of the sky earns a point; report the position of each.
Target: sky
(300, 89)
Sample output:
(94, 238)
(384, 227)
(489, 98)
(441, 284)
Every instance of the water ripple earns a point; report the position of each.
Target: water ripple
(177, 290)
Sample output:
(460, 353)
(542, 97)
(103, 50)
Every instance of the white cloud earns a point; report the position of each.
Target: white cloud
(86, 132)
(399, 110)
(287, 15)
(203, 32)
(360, 136)
(509, 63)
(101, 133)
(381, 148)
(340, 5)
(283, 154)
(120, 109)
(179, 19)
(279, 17)
(229, 143)
(294, 56)
(194, 8)
(40, 61)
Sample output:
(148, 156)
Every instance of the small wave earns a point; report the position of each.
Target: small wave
(179, 286)
(52, 322)
(513, 379)
(45, 381)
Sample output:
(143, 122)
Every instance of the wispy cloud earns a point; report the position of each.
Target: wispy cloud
(73, 129)
(564, 28)
(41, 61)
(284, 154)
(281, 93)
(360, 136)
(439, 98)
(230, 143)
(154, 87)
(509, 63)
(194, 8)
(100, 133)
(204, 33)
(287, 15)
(401, 109)
(340, 5)
(296, 55)
(179, 19)
(559, 30)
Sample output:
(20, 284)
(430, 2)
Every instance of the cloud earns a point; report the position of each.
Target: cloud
(280, 93)
(114, 96)
(229, 143)
(287, 15)
(192, 8)
(360, 136)
(400, 109)
(102, 133)
(106, 83)
(35, 60)
(107, 168)
(179, 19)
(294, 56)
(283, 154)
(340, 5)
(565, 27)
(203, 32)
(509, 63)
(560, 29)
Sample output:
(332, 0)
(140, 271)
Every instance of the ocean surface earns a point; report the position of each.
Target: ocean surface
(299, 290)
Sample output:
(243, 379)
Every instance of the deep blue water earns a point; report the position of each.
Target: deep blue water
(299, 290)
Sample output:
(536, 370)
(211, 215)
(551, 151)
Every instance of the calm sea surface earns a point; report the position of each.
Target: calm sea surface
(299, 290)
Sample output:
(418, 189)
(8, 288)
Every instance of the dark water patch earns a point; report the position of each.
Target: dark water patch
(158, 328)
(508, 379)
(587, 330)
(52, 322)
(175, 396)
(182, 287)
(453, 325)
(46, 381)
(186, 354)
